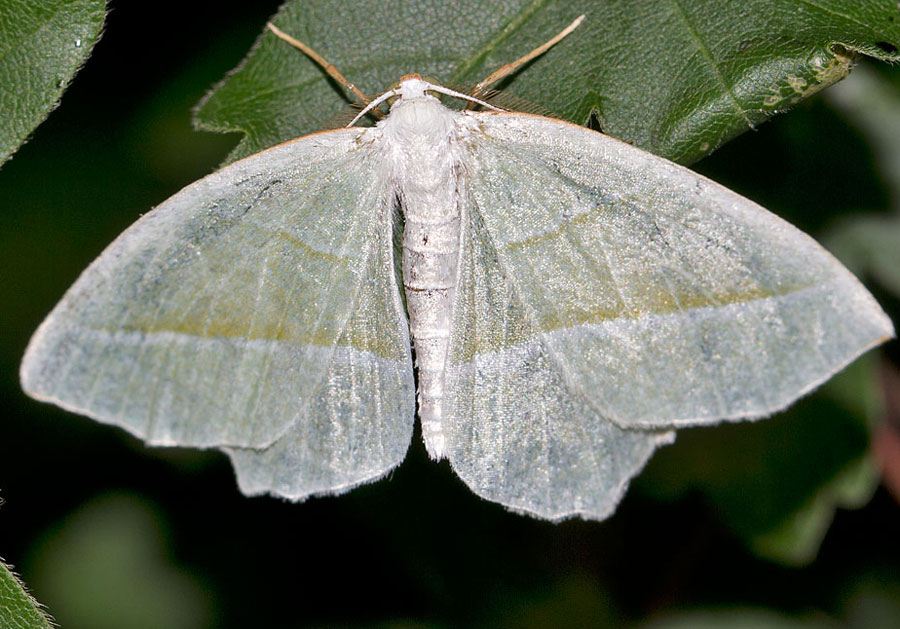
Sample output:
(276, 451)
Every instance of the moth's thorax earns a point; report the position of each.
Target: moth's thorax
(422, 144)
(421, 123)
(422, 118)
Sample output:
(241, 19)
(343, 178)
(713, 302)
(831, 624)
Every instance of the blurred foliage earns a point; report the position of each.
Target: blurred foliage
(418, 547)
(766, 482)
(106, 566)
(869, 244)
(677, 78)
(17, 609)
(42, 45)
(872, 603)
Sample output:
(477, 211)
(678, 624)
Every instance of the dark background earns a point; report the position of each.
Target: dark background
(108, 533)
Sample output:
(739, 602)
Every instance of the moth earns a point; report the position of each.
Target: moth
(562, 303)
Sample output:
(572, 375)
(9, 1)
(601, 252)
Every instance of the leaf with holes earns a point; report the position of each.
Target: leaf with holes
(675, 78)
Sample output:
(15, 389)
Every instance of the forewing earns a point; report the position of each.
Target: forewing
(221, 317)
(658, 297)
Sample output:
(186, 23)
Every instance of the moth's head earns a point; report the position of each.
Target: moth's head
(410, 88)
(413, 86)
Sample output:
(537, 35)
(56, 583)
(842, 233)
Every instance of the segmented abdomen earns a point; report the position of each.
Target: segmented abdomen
(429, 265)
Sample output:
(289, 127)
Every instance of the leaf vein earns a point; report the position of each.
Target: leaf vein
(704, 50)
(849, 18)
(467, 64)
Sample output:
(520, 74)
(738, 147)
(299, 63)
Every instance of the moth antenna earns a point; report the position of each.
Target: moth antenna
(440, 89)
(329, 67)
(505, 70)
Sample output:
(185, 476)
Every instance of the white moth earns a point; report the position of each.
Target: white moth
(571, 300)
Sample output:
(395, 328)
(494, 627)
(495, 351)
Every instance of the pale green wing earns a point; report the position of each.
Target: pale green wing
(657, 297)
(255, 301)
(326, 453)
(516, 432)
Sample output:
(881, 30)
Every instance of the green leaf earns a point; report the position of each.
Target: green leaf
(777, 483)
(677, 78)
(42, 45)
(18, 610)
